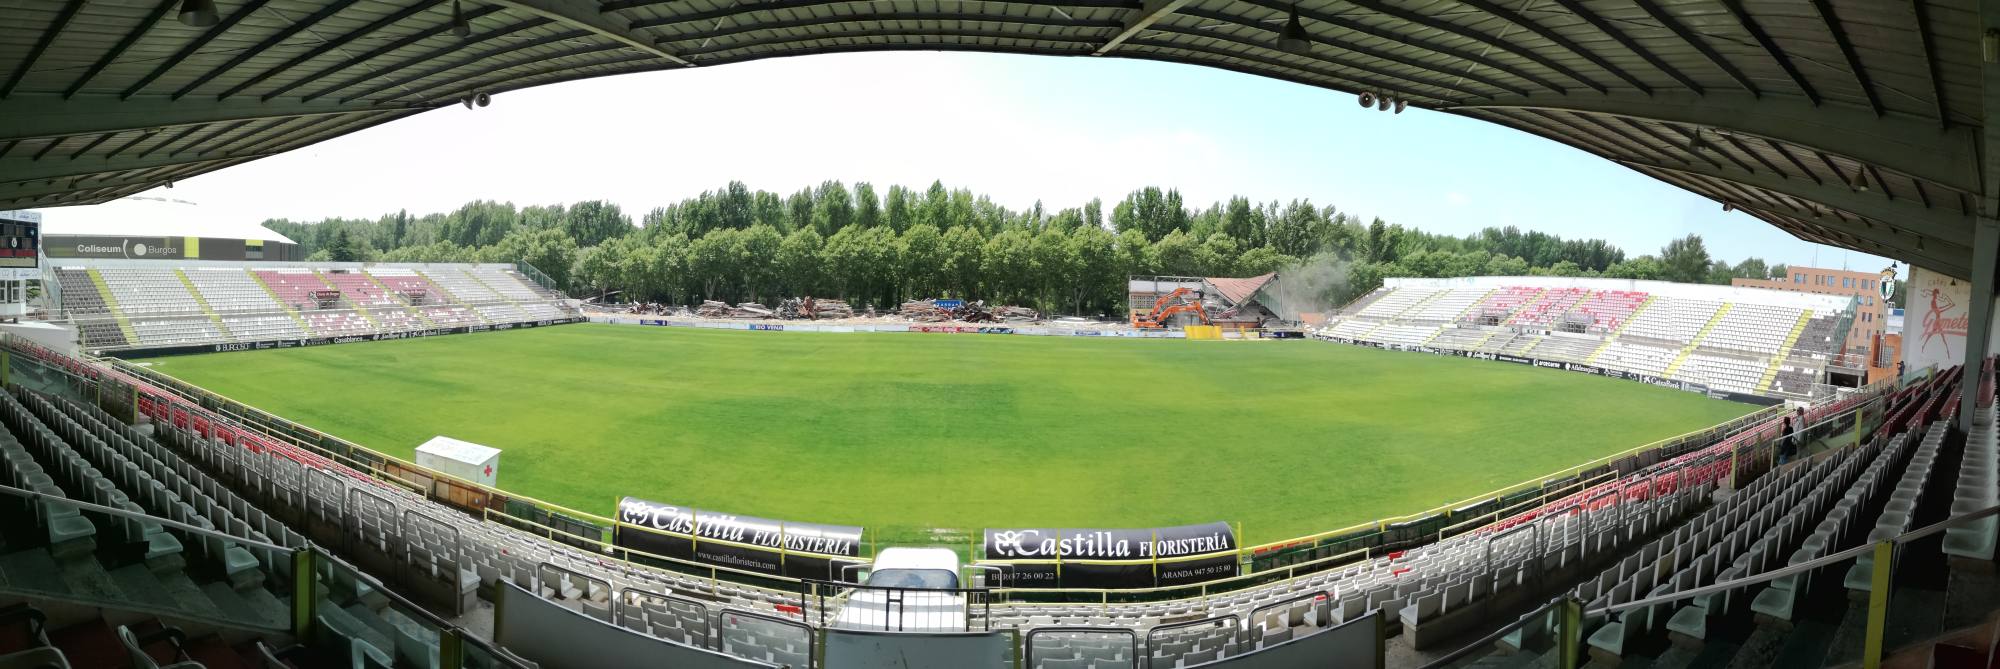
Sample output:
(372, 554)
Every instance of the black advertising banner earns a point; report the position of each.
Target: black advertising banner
(78, 246)
(1124, 558)
(777, 547)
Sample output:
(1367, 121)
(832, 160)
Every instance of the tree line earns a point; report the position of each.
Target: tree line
(735, 244)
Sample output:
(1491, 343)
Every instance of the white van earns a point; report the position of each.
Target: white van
(907, 590)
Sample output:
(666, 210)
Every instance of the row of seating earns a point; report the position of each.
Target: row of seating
(1725, 343)
(1747, 533)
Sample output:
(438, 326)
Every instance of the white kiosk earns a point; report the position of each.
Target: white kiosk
(463, 459)
(20, 260)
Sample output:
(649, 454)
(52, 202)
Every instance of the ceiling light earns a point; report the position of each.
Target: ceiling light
(1293, 38)
(198, 13)
(459, 26)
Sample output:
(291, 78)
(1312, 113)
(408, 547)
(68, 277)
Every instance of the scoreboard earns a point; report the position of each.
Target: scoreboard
(20, 245)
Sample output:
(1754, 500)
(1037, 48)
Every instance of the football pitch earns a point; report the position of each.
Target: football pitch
(903, 432)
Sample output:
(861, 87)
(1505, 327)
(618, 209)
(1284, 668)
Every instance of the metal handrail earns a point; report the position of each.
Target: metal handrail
(99, 508)
(812, 640)
(1235, 626)
(1799, 568)
(1313, 596)
(1485, 642)
(1028, 641)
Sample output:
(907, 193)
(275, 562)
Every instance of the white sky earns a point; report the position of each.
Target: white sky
(1018, 128)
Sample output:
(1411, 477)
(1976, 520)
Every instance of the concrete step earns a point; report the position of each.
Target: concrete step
(142, 587)
(188, 594)
(34, 569)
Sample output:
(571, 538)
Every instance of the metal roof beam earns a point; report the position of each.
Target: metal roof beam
(372, 54)
(124, 43)
(487, 56)
(866, 34)
(1434, 23)
(1840, 40)
(446, 49)
(1449, 52)
(332, 44)
(1946, 156)
(1934, 223)
(1881, 239)
(22, 169)
(587, 15)
(738, 10)
(275, 39)
(19, 168)
(41, 46)
(1771, 49)
(877, 17)
(1626, 41)
(1139, 21)
(1557, 39)
(46, 187)
(1923, 23)
(1323, 65)
(1699, 44)
(1367, 51)
(52, 116)
(471, 82)
(195, 45)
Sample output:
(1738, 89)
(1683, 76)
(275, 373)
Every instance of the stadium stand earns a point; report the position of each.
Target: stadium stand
(1746, 341)
(120, 306)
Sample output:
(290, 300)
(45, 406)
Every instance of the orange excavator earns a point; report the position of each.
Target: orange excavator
(1181, 301)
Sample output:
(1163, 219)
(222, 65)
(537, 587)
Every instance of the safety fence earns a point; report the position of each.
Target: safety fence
(130, 391)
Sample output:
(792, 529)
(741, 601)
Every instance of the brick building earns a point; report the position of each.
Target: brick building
(1871, 312)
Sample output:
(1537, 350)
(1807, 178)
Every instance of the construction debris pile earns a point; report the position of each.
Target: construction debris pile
(714, 309)
(929, 311)
(814, 309)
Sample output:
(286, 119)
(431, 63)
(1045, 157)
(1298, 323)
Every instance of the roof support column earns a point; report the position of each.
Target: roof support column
(1986, 236)
(1979, 332)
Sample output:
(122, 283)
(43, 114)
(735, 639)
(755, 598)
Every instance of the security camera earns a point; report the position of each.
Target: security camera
(1366, 99)
(482, 99)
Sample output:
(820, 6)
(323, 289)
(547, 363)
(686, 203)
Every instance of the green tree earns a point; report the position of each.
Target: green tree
(757, 262)
(922, 261)
(964, 250)
(1262, 260)
(1685, 260)
(799, 264)
(712, 261)
(342, 249)
(547, 249)
(1751, 268)
(867, 207)
(1175, 254)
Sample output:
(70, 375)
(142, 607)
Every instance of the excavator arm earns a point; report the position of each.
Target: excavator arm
(1181, 301)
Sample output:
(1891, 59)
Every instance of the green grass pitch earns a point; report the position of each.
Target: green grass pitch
(904, 431)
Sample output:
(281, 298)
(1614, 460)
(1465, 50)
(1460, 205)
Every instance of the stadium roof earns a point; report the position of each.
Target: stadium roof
(152, 217)
(1238, 291)
(1856, 123)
